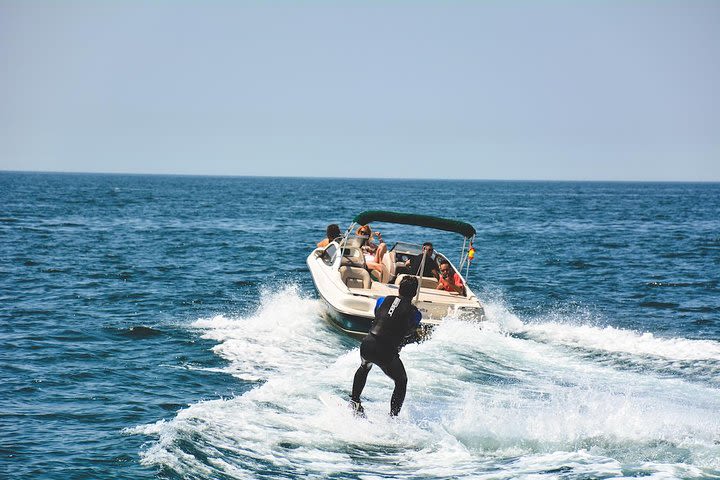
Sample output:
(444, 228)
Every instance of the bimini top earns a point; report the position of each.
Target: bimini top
(412, 219)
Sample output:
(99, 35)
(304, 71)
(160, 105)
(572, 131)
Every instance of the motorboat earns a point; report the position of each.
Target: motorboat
(350, 290)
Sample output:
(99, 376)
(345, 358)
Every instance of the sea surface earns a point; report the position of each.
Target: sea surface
(167, 326)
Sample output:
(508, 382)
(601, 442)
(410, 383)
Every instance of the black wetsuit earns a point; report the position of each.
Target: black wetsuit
(395, 318)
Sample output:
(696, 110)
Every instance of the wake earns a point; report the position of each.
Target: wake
(504, 397)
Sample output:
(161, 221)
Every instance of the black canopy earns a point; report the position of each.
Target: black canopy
(429, 221)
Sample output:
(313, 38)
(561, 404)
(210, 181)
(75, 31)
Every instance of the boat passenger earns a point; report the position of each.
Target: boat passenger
(396, 320)
(373, 252)
(431, 269)
(449, 280)
(332, 232)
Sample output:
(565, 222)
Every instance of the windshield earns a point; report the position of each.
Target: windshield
(406, 248)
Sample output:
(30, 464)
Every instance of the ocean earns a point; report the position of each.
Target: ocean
(167, 326)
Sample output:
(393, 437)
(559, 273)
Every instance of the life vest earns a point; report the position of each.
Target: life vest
(394, 319)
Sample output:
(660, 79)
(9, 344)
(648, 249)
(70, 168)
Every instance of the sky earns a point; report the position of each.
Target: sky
(536, 90)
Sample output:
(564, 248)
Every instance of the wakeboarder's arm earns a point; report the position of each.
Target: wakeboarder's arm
(378, 303)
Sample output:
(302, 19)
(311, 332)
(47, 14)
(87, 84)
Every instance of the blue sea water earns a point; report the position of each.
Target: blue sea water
(167, 326)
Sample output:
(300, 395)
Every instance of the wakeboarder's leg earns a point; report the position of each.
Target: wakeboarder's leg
(358, 386)
(360, 379)
(396, 370)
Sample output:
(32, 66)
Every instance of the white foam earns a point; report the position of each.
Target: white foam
(551, 398)
(611, 339)
(283, 333)
(482, 402)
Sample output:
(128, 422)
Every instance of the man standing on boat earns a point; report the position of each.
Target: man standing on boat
(395, 319)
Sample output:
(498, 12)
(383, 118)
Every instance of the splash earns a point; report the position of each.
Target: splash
(282, 335)
(503, 399)
(643, 352)
(611, 339)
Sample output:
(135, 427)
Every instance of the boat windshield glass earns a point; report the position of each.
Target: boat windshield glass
(328, 255)
(409, 248)
(355, 241)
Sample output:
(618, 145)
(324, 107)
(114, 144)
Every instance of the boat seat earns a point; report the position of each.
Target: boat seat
(425, 282)
(355, 277)
(352, 257)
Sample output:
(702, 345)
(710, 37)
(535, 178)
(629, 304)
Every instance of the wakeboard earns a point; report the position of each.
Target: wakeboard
(334, 402)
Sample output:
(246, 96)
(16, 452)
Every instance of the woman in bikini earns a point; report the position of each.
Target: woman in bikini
(373, 252)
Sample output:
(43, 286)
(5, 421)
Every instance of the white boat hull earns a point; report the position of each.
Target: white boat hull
(352, 309)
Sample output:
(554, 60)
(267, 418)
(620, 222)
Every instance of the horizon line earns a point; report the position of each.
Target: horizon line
(317, 177)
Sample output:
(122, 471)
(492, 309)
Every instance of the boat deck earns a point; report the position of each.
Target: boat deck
(378, 289)
(434, 304)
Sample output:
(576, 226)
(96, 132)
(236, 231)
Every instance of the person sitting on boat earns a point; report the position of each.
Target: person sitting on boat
(431, 268)
(332, 232)
(373, 252)
(449, 280)
(396, 318)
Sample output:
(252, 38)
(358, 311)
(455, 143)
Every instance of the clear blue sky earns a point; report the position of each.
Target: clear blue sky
(611, 90)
